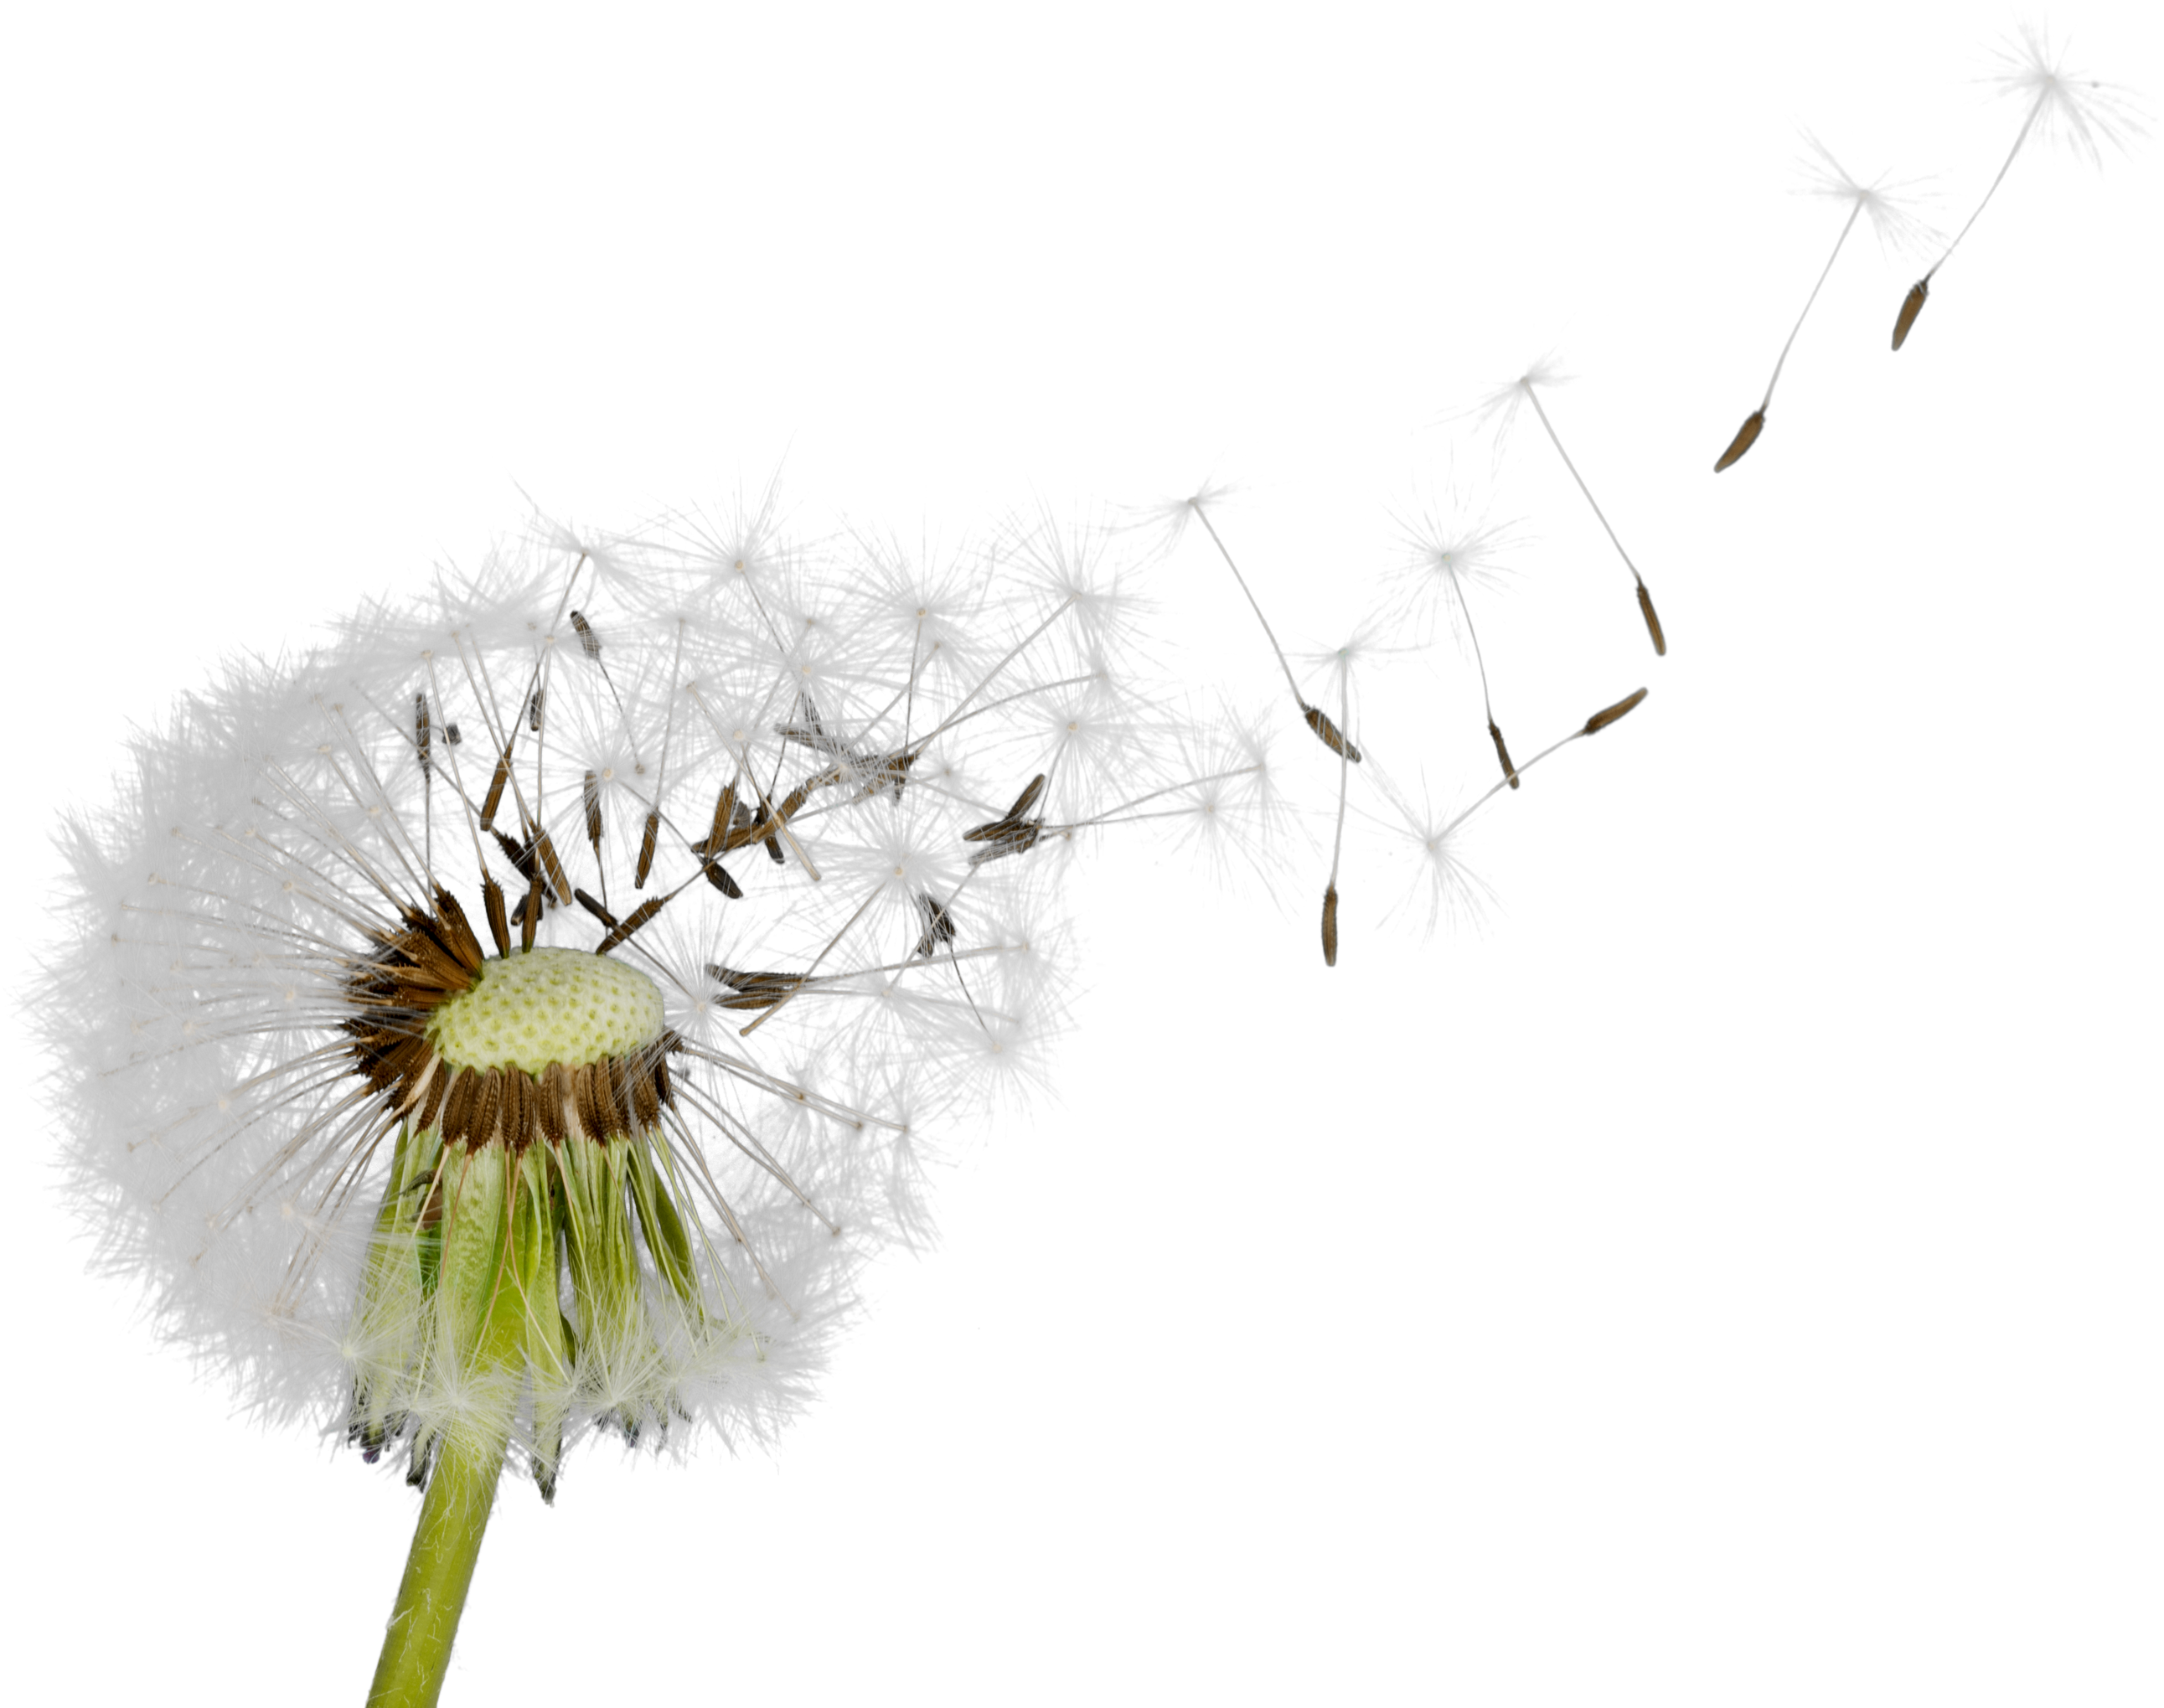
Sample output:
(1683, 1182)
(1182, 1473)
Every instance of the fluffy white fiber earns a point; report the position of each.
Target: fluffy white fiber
(921, 747)
(221, 1141)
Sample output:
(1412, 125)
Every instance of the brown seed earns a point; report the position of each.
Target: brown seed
(1606, 717)
(1028, 798)
(593, 792)
(631, 922)
(532, 922)
(554, 867)
(494, 799)
(645, 1105)
(720, 879)
(593, 907)
(534, 707)
(550, 1103)
(1504, 756)
(725, 807)
(1656, 631)
(587, 1099)
(499, 927)
(458, 1106)
(393, 1066)
(587, 638)
(1909, 315)
(1330, 927)
(1318, 721)
(421, 730)
(519, 854)
(488, 1106)
(1746, 438)
(646, 849)
(431, 1099)
(458, 935)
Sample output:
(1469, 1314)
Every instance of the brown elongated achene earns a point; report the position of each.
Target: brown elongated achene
(1912, 305)
(1745, 436)
(1503, 754)
(646, 850)
(1656, 631)
(1011, 833)
(1608, 714)
(494, 798)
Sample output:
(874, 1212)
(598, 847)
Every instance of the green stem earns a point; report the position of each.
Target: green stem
(481, 1325)
(417, 1647)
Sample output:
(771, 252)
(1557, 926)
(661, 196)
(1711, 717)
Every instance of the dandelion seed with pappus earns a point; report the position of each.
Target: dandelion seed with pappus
(1500, 410)
(1892, 206)
(2068, 107)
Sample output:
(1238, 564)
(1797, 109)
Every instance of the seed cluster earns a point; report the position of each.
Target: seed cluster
(414, 1002)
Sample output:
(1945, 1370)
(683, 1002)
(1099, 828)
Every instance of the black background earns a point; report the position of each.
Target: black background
(1621, 1261)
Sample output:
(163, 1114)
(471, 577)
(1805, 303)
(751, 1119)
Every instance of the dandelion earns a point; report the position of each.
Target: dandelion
(1892, 206)
(2063, 107)
(1502, 409)
(519, 1017)
(511, 1020)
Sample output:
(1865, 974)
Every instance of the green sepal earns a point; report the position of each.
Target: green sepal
(429, 1257)
(658, 1220)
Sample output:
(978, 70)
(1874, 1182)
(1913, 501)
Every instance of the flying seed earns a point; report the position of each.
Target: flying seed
(646, 849)
(1327, 733)
(1745, 436)
(1608, 714)
(1912, 305)
(1503, 753)
(494, 798)
(1330, 927)
(1652, 621)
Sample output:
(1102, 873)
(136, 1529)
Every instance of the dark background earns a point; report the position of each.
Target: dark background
(1652, 1248)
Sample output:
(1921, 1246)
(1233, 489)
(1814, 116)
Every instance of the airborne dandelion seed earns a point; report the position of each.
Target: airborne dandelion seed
(2064, 107)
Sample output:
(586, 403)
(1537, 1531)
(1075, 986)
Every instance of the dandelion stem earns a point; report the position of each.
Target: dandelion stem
(417, 1646)
(2005, 166)
(467, 1463)
(1823, 273)
(1203, 517)
(1534, 398)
